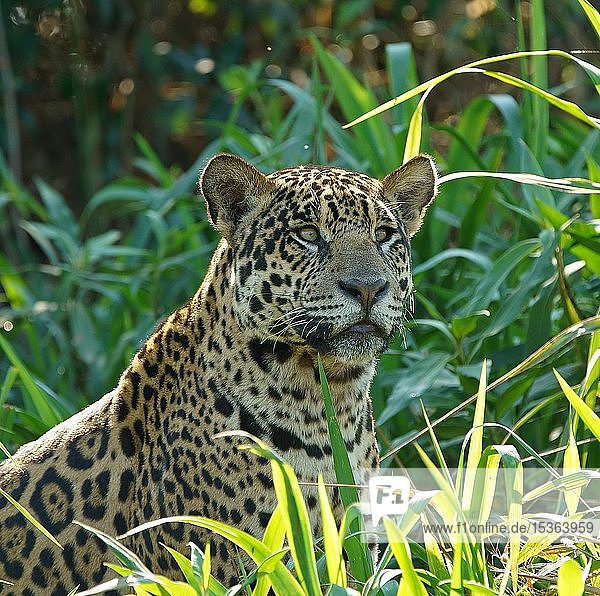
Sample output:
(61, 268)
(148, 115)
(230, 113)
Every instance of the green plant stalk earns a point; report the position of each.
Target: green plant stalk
(360, 562)
(539, 77)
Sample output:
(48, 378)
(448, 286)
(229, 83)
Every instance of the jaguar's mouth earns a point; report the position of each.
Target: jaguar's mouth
(365, 327)
(357, 342)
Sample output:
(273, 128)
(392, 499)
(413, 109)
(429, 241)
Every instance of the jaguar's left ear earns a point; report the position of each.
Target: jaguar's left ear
(410, 189)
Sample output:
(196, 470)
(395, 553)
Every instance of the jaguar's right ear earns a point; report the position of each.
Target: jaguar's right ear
(231, 188)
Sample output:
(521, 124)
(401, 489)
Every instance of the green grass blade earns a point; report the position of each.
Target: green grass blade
(456, 578)
(587, 415)
(283, 581)
(568, 185)
(295, 516)
(187, 569)
(298, 529)
(592, 71)
(30, 518)
(43, 408)
(549, 349)
(206, 567)
(341, 461)
(485, 486)
(592, 374)
(410, 584)
(566, 106)
(571, 463)
(197, 560)
(477, 589)
(273, 539)
(476, 441)
(336, 567)
(415, 131)
(435, 560)
(592, 14)
(127, 557)
(11, 376)
(570, 578)
(514, 497)
(571, 480)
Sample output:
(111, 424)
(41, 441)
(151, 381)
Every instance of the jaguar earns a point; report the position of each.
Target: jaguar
(314, 261)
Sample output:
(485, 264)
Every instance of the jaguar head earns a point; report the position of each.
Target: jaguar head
(321, 255)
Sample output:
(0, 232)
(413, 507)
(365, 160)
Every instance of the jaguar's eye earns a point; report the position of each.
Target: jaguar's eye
(308, 233)
(383, 233)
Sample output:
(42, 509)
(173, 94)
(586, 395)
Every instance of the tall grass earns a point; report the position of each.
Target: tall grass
(505, 342)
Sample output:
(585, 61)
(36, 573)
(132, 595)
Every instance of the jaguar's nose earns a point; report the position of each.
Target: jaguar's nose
(367, 292)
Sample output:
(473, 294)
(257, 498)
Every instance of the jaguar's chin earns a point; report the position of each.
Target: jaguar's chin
(359, 343)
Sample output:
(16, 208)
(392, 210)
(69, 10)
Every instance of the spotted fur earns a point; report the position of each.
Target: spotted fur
(313, 260)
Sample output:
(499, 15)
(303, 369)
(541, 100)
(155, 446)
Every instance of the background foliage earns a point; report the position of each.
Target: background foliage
(99, 239)
(87, 273)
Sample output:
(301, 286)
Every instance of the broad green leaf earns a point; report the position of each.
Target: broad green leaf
(462, 326)
(539, 77)
(570, 578)
(571, 480)
(511, 308)
(488, 285)
(453, 253)
(416, 382)
(402, 72)
(58, 211)
(158, 170)
(13, 284)
(377, 141)
(456, 577)
(484, 488)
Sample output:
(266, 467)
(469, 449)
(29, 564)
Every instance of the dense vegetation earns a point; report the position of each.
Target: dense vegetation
(507, 278)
